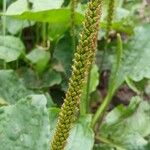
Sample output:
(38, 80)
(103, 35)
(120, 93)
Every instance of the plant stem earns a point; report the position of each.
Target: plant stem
(4, 27)
(101, 110)
(111, 8)
(4, 17)
(44, 34)
(112, 84)
(28, 3)
(37, 29)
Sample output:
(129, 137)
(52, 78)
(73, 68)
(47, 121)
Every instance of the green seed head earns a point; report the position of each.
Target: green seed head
(83, 58)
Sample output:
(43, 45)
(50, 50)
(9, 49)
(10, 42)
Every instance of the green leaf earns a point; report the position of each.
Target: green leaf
(34, 81)
(147, 88)
(12, 88)
(133, 86)
(135, 60)
(10, 48)
(56, 31)
(39, 58)
(2, 102)
(107, 144)
(94, 78)
(47, 8)
(46, 4)
(89, 87)
(50, 102)
(62, 15)
(81, 136)
(25, 125)
(14, 26)
(137, 55)
(18, 6)
(53, 117)
(121, 13)
(116, 66)
(57, 66)
(102, 147)
(64, 53)
(128, 126)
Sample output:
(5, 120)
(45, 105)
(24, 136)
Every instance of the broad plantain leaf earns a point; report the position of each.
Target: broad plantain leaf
(56, 32)
(10, 48)
(33, 80)
(88, 88)
(43, 11)
(14, 25)
(61, 15)
(18, 6)
(94, 81)
(137, 55)
(46, 4)
(81, 136)
(53, 117)
(39, 58)
(135, 62)
(25, 125)
(128, 127)
(64, 53)
(103, 147)
(94, 74)
(12, 88)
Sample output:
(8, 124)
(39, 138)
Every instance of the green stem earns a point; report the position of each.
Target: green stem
(17, 64)
(101, 110)
(5, 65)
(4, 27)
(44, 34)
(112, 84)
(28, 3)
(37, 33)
(4, 18)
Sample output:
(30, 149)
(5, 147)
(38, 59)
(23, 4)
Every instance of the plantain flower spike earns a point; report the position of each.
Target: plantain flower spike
(111, 9)
(83, 58)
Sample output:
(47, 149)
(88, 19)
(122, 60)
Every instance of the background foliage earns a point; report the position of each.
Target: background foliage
(36, 51)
